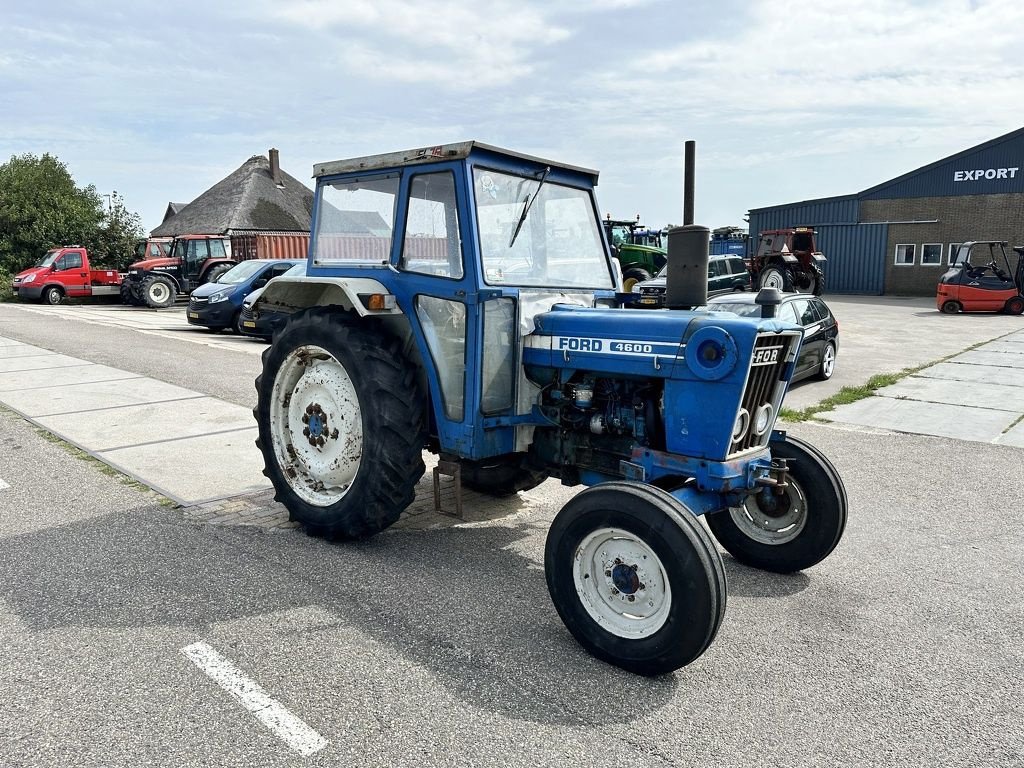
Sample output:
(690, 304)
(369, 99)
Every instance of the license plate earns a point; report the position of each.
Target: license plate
(249, 323)
(648, 301)
(194, 315)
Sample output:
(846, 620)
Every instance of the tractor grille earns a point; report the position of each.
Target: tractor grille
(765, 385)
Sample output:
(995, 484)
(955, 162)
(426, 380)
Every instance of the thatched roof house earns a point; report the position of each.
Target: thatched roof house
(259, 196)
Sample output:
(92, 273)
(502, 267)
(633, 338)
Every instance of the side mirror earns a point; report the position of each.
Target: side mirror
(259, 283)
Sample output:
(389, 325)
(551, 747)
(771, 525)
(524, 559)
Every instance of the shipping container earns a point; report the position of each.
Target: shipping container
(269, 245)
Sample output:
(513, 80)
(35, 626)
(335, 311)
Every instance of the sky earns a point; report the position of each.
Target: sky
(786, 100)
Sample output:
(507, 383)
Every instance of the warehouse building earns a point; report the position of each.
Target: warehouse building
(898, 237)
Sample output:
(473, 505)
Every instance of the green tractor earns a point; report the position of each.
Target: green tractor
(641, 252)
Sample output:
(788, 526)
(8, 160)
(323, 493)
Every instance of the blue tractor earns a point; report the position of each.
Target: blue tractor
(460, 299)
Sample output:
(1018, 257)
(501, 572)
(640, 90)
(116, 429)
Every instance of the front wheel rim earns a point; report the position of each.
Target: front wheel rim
(773, 519)
(621, 583)
(316, 425)
(828, 362)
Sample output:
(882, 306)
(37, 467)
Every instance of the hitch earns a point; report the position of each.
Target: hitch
(777, 476)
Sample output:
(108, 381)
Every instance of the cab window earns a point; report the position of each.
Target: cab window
(431, 244)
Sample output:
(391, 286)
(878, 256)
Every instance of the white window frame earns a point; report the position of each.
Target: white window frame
(954, 248)
(931, 263)
(913, 255)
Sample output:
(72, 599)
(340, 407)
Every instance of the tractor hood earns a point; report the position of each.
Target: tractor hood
(718, 369)
(644, 342)
(150, 264)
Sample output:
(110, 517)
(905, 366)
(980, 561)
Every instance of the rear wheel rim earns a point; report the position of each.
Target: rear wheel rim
(159, 292)
(316, 425)
(621, 583)
(773, 279)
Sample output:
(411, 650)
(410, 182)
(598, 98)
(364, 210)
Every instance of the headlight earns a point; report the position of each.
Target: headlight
(28, 279)
(763, 422)
(635, 288)
(739, 429)
(219, 296)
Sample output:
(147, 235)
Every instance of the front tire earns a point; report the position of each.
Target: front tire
(635, 577)
(794, 530)
(53, 296)
(828, 362)
(633, 276)
(341, 424)
(158, 292)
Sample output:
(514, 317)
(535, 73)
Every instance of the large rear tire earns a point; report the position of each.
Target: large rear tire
(951, 307)
(790, 531)
(216, 271)
(341, 424)
(158, 292)
(499, 477)
(776, 277)
(635, 577)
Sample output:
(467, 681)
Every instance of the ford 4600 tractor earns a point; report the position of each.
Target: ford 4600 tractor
(461, 299)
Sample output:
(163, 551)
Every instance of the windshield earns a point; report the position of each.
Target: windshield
(48, 258)
(241, 272)
(558, 243)
(743, 310)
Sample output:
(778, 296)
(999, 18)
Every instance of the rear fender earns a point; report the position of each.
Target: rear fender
(297, 293)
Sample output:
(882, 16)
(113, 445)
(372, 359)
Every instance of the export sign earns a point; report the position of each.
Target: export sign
(985, 173)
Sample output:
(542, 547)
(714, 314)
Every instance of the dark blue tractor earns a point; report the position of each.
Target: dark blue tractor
(460, 299)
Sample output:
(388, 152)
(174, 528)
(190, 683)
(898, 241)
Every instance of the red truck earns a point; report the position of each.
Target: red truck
(65, 272)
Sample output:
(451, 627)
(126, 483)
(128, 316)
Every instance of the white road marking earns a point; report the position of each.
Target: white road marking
(286, 726)
(3, 485)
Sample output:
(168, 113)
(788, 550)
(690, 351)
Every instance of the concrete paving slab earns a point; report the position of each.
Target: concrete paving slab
(35, 362)
(93, 395)
(47, 377)
(1003, 346)
(1014, 436)
(196, 469)
(109, 429)
(974, 394)
(956, 421)
(991, 374)
(23, 350)
(4, 343)
(979, 357)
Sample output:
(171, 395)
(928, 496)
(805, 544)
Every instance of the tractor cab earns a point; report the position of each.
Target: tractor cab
(981, 279)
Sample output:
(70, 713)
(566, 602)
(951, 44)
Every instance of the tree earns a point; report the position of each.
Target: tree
(41, 207)
(113, 242)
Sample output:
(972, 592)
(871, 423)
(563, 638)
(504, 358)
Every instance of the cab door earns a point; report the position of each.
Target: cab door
(71, 271)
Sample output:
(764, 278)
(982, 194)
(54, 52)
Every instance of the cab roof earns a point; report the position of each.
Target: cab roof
(441, 152)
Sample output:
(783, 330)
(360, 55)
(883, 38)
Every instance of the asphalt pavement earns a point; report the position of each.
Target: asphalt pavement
(435, 644)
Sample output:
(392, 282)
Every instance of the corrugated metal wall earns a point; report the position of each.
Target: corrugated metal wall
(829, 210)
(856, 257)
(996, 167)
(855, 252)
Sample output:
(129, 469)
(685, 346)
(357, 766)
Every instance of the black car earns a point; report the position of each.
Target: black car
(726, 274)
(265, 321)
(821, 329)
